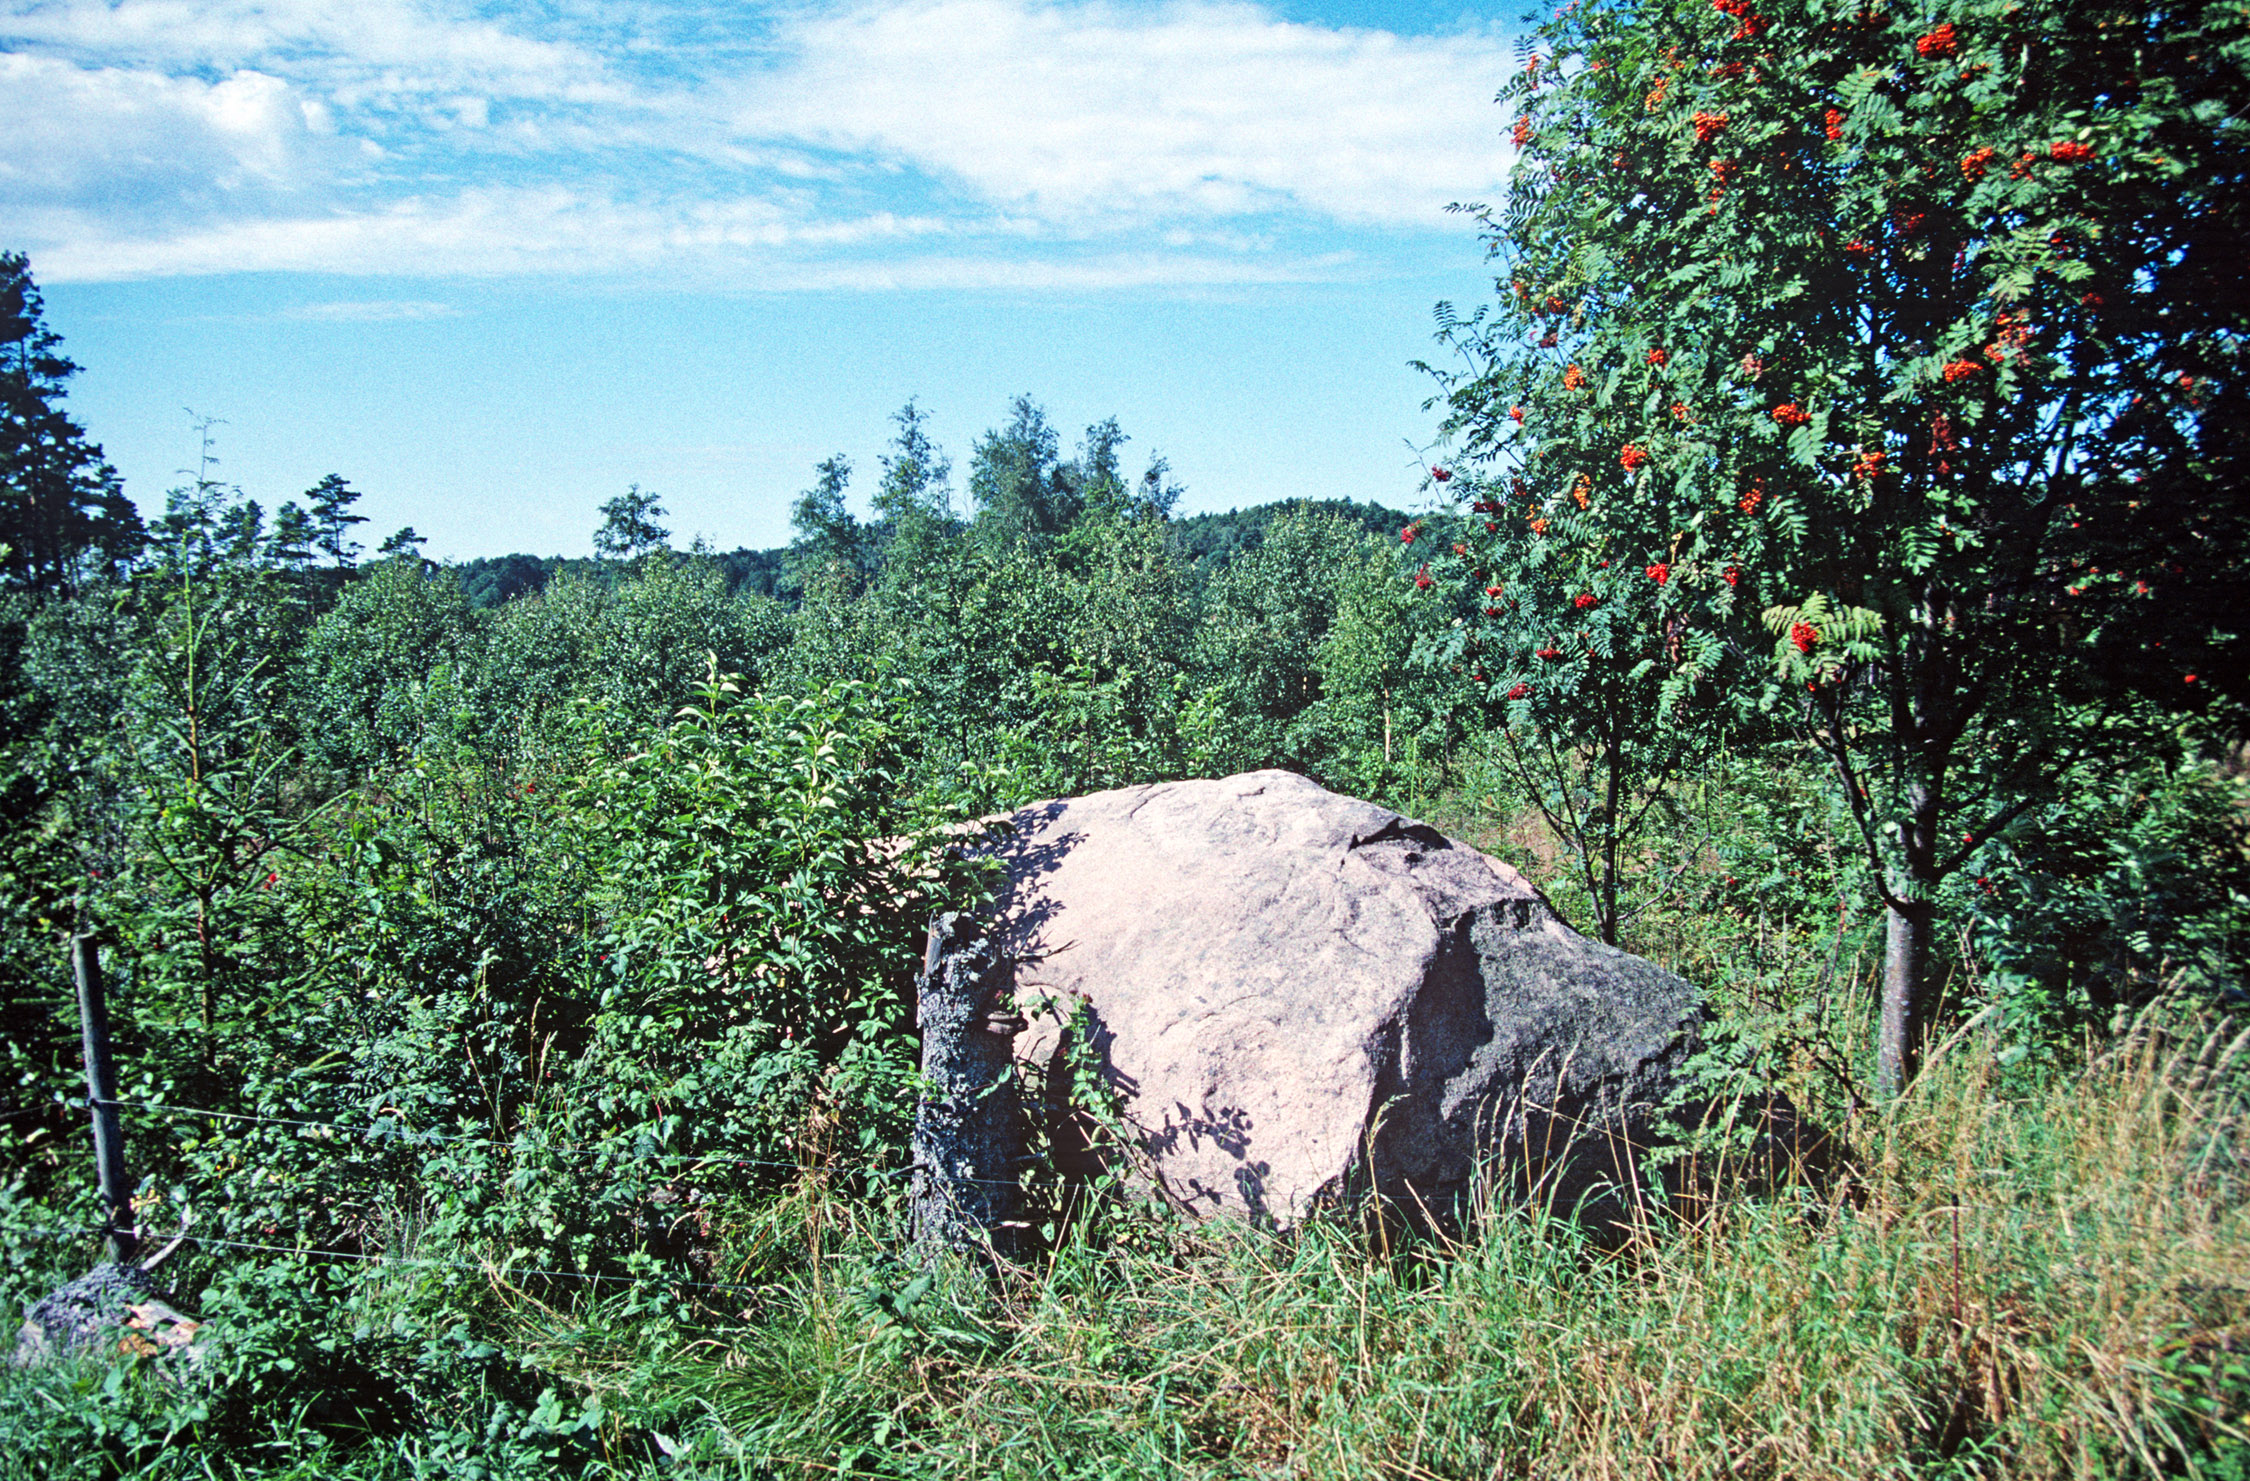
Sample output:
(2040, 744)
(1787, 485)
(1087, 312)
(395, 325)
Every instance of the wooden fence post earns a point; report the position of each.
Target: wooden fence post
(101, 1097)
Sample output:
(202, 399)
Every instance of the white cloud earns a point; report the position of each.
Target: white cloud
(1086, 111)
(145, 143)
(895, 142)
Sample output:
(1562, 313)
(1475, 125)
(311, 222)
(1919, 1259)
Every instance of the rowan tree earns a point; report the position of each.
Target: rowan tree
(1908, 343)
(1600, 695)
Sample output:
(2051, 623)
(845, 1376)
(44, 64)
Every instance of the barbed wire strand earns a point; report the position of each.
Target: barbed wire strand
(407, 1137)
(411, 1261)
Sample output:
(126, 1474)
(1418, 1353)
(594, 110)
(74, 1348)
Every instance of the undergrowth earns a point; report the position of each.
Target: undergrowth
(2025, 1276)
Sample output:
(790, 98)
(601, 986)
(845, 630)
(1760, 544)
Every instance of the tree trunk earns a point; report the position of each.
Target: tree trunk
(1911, 900)
(1606, 902)
(1906, 1007)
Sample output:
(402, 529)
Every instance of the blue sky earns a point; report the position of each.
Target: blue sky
(493, 263)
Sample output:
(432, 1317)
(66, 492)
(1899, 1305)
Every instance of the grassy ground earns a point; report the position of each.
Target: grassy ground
(2025, 1280)
(2042, 1282)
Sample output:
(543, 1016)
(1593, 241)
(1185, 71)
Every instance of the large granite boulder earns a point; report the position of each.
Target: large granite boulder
(1298, 998)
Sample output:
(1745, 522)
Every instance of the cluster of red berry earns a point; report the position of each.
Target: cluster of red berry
(1832, 123)
(1749, 25)
(1659, 573)
(1708, 126)
(1632, 457)
(1804, 635)
(1790, 414)
(1941, 42)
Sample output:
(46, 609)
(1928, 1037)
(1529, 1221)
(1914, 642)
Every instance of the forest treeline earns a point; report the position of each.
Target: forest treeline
(1204, 542)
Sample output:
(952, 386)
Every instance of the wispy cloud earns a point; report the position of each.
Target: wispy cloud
(476, 232)
(903, 142)
(370, 311)
(359, 50)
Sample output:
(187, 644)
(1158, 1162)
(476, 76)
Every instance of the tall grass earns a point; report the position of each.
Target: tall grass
(2022, 1278)
(2046, 1280)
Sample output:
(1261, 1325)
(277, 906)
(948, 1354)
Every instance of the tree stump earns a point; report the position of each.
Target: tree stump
(969, 1130)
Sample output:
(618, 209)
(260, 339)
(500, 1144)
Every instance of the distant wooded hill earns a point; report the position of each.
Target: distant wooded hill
(1205, 542)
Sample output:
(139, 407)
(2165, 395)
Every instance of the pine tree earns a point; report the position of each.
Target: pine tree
(402, 545)
(63, 510)
(191, 533)
(242, 533)
(291, 544)
(332, 499)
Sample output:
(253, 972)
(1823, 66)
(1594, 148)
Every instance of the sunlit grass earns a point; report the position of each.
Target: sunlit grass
(2042, 1281)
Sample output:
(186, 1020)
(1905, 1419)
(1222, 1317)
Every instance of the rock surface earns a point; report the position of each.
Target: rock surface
(969, 1142)
(81, 1313)
(1298, 997)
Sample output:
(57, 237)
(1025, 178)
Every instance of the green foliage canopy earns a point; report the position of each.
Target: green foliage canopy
(1909, 347)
